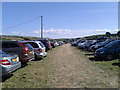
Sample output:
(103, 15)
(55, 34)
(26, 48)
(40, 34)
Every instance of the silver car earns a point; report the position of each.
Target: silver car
(39, 49)
(8, 63)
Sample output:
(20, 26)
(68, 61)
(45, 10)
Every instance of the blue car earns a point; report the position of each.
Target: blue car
(108, 52)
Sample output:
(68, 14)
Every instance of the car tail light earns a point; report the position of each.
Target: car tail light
(40, 50)
(4, 62)
(48, 44)
(25, 49)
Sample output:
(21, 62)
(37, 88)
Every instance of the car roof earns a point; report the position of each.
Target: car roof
(33, 41)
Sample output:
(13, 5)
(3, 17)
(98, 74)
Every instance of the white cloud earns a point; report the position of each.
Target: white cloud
(36, 32)
(58, 31)
(14, 32)
(17, 33)
(67, 33)
(103, 30)
(54, 32)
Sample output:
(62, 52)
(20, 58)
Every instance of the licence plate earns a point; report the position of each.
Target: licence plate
(31, 52)
(15, 59)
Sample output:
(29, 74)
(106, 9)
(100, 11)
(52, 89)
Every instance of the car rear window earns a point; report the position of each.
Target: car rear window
(5, 45)
(41, 45)
(34, 45)
(9, 45)
(28, 45)
(13, 45)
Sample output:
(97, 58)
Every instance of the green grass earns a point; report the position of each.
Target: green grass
(35, 75)
(109, 66)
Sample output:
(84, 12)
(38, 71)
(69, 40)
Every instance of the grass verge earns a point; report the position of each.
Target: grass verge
(110, 66)
(35, 75)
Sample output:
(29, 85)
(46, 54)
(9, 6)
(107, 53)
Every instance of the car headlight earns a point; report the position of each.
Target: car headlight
(102, 52)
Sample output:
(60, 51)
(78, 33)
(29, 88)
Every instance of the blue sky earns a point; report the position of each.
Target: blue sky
(61, 19)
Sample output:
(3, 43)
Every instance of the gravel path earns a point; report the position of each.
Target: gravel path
(72, 70)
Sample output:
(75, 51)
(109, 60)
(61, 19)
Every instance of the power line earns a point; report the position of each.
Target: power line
(28, 21)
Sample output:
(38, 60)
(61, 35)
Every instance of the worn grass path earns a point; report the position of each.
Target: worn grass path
(65, 67)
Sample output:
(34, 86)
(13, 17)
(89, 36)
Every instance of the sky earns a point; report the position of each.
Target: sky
(60, 19)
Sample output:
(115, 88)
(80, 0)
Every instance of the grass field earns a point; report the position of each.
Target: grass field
(110, 66)
(51, 72)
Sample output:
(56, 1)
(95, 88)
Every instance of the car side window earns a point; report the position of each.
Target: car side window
(34, 45)
(5, 45)
(13, 45)
(28, 45)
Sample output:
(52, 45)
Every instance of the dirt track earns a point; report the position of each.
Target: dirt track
(73, 70)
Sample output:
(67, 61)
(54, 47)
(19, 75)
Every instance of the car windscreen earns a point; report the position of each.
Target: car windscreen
(106, 42)
(100, 43)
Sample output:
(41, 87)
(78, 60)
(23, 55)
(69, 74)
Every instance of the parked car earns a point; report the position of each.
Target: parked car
(101, 39)
(92, 43)
(53, 45)
(75, 43)
(101, 44)
(109, 52)
(79, 43)
(39, 49)
(56, 44)
(47, 43)
(92, 47)
(87, 44)
(23, 49)
(82, 44)
(8, 63)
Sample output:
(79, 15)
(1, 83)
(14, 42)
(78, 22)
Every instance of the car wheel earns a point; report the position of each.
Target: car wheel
(35, 57)
(109, 57)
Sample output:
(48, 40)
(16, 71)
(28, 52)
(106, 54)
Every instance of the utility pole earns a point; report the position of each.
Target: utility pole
(41, 27)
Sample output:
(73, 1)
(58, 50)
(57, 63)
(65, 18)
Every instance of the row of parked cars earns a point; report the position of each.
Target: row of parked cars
(103, 49)
(16, 54)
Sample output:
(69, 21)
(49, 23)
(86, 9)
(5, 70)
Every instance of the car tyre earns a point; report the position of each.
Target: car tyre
(36, 57)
